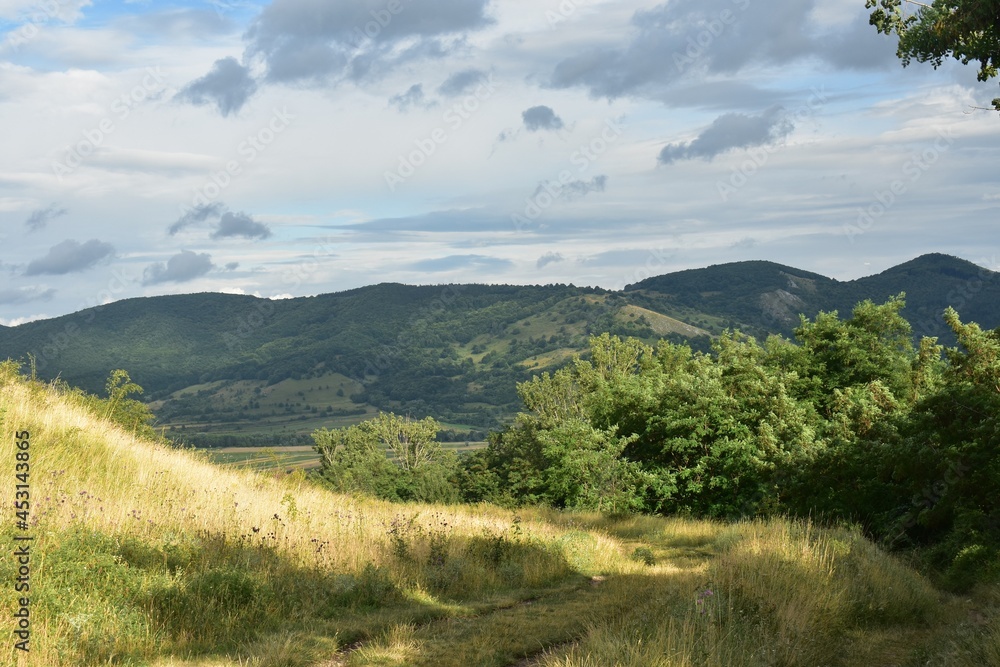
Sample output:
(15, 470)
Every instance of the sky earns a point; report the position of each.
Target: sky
(299, 147)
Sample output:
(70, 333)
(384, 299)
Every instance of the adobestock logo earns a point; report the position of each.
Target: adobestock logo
(759, 156)
(381, 18)
(548, 192)
(122, 107)
(913, 170)
(455, 117)
(249, 150)
(44, 12)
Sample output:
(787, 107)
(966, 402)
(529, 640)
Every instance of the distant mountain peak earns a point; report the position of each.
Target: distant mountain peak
(937, 263)
(721, 276)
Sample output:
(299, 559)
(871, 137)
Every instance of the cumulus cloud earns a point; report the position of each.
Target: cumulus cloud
(413, 97)
(227, 223)
(197, 215)
(541, 118)
(686, 39)
(745, 243)
(577, 189)
(728, 132)
(573, 189)
(228, 85)
(70, 257)
(22, 295)
(41, 217)
(182, 267)
(549, 258)
(323, 41)
(461, 82)
(241, 225)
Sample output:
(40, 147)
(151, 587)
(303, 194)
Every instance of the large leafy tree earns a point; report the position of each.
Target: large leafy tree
(950, 464)
(875, 343)
(967, 30)
(356, 459)
(662, 429)
(558, 453)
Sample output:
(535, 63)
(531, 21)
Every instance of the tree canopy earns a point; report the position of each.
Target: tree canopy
(356, 458)
(966, 30)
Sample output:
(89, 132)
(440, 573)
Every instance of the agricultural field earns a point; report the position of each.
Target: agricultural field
(293, 458)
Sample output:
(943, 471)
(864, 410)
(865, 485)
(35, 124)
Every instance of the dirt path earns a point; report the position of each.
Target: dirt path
(511, 633)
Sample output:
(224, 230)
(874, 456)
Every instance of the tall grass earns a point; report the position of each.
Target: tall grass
(143, 551)
(147, 555)
(777, 593)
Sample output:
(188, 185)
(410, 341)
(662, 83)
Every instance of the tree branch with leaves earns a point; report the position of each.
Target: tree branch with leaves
(966, 30)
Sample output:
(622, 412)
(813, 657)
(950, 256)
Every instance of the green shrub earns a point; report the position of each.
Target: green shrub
(643, 555)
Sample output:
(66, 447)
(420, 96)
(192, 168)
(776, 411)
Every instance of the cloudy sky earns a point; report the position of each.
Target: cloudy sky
(297, 147)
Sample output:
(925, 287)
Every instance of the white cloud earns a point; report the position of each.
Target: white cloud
(72, 47)
(17, 321)
(38, 12)
(131, 160)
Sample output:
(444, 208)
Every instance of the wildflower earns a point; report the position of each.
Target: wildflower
(703, 596)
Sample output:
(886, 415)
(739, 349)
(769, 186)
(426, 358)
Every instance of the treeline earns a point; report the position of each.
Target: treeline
(222, 440)
(849, 421)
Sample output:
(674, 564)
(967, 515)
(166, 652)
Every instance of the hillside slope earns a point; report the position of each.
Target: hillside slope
(141, 553)
(145, 555)
(455, 352)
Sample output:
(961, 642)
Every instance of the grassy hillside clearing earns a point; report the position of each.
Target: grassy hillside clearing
(659, 323)
(146, 555)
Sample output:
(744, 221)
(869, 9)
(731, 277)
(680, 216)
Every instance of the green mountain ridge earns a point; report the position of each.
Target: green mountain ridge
(243, 367)
(764, 297)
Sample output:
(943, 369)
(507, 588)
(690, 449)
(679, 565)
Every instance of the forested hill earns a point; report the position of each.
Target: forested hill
(227, 364)
(214, 361)
(764, 297)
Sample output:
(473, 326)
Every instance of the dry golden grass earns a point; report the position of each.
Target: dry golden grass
(146, 501)
(146, 555)
(772, 592)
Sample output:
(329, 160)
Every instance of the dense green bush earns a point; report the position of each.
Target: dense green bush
(849, 422)
(354, 459)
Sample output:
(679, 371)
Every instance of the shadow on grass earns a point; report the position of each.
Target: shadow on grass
(763, 603)
(203, 595)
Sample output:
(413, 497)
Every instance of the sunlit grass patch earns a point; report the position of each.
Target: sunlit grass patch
(145, 551)
(396, 646)
(150, 555)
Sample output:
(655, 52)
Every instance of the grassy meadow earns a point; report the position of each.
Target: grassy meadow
(148, 555)
(248, 407)
(292, 458)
